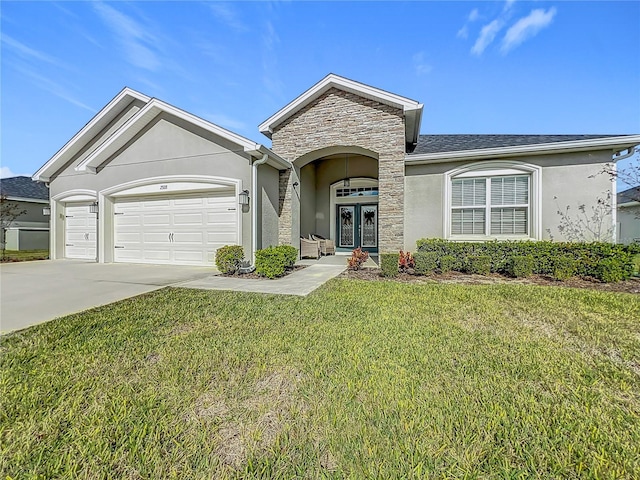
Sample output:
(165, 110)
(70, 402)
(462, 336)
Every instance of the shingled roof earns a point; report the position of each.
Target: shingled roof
(456, 143)
(23, 187)
(629, 195)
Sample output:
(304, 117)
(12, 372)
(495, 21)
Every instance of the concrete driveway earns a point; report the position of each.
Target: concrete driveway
(35, 292)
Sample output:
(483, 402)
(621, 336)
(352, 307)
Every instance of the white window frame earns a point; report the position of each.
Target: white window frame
(487, 170)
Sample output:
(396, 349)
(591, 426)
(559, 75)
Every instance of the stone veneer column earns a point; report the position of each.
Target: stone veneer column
(340, 118)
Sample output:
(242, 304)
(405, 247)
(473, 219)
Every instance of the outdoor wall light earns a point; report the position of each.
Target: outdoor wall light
(243, 197)
(93, 208)
(46, 211)
(295, 184)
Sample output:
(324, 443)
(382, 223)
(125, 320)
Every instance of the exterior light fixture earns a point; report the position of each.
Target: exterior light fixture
(93, 208)
(295, 184)
(243, 197)
(46, 211)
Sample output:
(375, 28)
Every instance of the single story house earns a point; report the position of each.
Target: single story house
(628, 213)
(144, 181)
(30, 231)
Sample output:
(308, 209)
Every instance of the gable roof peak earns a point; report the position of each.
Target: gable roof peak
(411, 108)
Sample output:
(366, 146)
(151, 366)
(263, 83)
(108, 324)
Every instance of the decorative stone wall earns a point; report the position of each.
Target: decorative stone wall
(340, 118)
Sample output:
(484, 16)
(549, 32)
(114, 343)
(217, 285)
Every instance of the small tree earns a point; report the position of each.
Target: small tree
(593, 224)
(9, 212)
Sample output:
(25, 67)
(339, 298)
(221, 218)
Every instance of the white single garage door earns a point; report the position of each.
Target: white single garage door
(176, 229)
(79, 231)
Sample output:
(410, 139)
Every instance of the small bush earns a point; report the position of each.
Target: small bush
(389, 264)
(228, 259)
(290, 254)
(406, 263)
(425, 262)
(521, 266)
(564, 268)
(610, 270)
(447, 263)
(272, 262)
(357, 259)
(480, 264)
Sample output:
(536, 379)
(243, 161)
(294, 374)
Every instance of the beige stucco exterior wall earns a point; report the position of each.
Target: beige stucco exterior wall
(342, 119)
(566, 179)
(167, 147)
(628, 224)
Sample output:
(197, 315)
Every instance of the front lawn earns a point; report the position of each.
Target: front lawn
(359, 379)
(25, 255)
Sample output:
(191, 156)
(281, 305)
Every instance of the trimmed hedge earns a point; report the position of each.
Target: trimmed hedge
(447, 263)
(564, 268)
(228, 258)
(389, 264)
(521, 266)
(272, 262)
(479, 265)
(588, 256)
(425, 262)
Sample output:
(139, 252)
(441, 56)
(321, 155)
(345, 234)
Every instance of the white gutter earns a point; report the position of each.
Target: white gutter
(254, 206)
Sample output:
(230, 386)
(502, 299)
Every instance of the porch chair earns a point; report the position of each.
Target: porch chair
(309, 248)
(327, 246)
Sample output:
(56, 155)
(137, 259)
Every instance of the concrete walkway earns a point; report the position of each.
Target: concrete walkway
(302, 282)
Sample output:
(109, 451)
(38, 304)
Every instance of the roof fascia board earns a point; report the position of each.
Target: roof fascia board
(614, 143)
(632, 203)
(124, 98)
(276, 161)
(142, 118)
(341, 83)
(25, 199)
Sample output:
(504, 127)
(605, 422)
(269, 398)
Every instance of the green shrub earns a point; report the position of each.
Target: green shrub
(425, 262)
(611, 270)
(478, 264)
(389, 264)
(228, 258)
(564, 268)
(271, 262)
(447, 263)
(290, 254)
(521, 266)
(544, 254)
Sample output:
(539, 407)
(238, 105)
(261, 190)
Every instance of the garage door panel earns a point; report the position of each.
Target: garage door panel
(196, 218)
(199, 224)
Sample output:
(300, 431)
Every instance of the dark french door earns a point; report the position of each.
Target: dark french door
(357, 226)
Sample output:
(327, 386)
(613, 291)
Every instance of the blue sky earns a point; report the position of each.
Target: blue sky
(478, 67)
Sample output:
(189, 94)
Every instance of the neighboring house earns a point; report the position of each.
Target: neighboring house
(347, 162)
(628, 212)
(30, 231)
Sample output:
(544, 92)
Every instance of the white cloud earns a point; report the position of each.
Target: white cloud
(228, 16)
(527, 27)
(463, 32)
(5, 172)
(138, 42)
(508, 4)
(420, 65)
(28, 52)
(487, 35)
(473, 15)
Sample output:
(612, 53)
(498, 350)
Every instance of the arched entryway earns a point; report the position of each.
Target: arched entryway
(336, 183)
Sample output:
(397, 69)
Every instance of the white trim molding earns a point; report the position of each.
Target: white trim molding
(494, 169)
(411, 108)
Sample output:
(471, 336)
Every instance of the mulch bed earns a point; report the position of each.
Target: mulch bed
(628, 286)
(255, 276)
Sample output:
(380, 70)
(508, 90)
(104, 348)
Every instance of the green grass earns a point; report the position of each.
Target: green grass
(25, 255)
(359, 380)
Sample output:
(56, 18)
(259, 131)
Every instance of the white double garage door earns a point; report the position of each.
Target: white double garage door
(182, 229)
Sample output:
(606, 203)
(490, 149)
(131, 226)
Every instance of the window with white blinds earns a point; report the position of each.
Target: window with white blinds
(490, 205)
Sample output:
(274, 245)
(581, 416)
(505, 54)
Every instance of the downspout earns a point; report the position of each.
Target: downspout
(254, 206)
